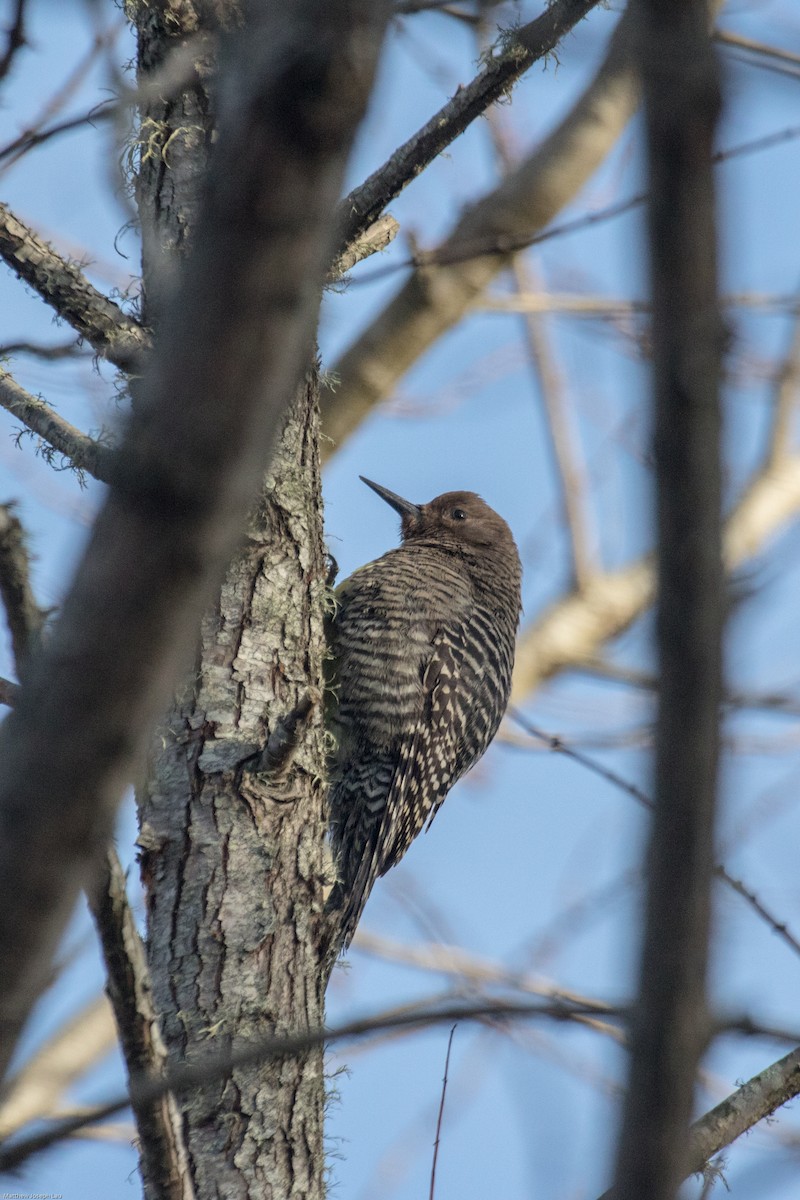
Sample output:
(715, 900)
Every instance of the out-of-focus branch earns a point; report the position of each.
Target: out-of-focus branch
(83, 452)
(445, 1010)
(557, 744)
(542, 357)
(787, 386)
(15, 38)
(159, 1122)
(519, 50)
(30, 137)
(773, 58)
(436, 297)
(110, 331)
(232, 351)
(575, 627)
(37, 1089)
(738, 1113)
(471, 969)
(671, 1024)
(22, 612)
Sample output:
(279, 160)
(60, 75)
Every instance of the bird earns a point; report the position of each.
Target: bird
(421, 654)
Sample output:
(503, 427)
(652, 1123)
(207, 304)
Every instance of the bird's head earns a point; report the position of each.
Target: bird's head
(454, 518)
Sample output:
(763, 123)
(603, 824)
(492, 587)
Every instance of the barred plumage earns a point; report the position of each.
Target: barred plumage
(422, 646)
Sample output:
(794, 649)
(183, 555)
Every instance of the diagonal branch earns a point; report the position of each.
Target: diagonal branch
(37, 1089)
(110, 331)
(83, 452)
(520, 49)
(744, 1108)
(435, 297)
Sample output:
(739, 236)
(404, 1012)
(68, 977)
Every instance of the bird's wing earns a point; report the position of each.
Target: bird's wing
(432, 754)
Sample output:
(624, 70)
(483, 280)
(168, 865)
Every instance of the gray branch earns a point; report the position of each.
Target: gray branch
(521, 48)
(62, 284)
(83, 452)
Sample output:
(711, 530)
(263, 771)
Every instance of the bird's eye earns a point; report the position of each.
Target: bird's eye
(458, 514)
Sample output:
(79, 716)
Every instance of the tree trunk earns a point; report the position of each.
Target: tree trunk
(234, 863)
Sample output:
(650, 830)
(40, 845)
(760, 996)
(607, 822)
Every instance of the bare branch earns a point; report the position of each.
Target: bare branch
(559, 746)
(51, 353)
(435, 297)
(84, 453)
(110, 331)
(520, 49)
(438, 1137)
(38, 1087)
(744, 1108)
(22, 612)
(159, 1122)
(234, 347)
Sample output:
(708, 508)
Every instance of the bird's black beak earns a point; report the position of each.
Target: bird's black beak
(407, 510)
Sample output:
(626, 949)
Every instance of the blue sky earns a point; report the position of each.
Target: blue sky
(529, 836)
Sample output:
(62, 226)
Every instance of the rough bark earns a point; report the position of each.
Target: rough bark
(233, 862)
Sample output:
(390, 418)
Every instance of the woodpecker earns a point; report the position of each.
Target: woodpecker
(422, 649)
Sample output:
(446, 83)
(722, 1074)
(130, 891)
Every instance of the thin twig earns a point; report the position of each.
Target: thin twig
(34, 134)
(783, 61)
(178, 71)
(438, 1137)
(558, 745)
(70, 349)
